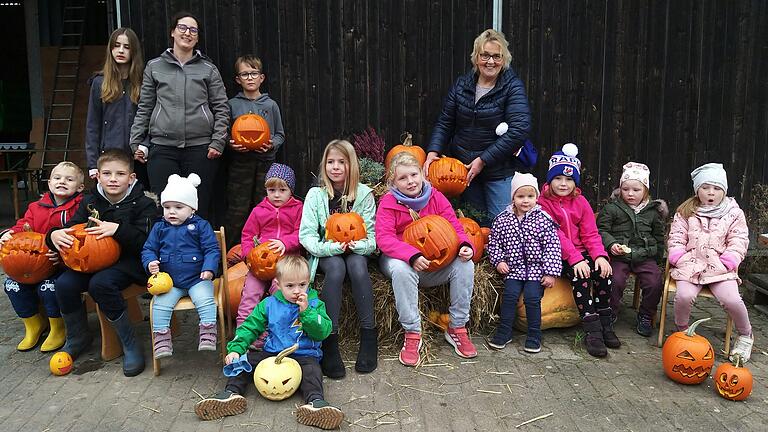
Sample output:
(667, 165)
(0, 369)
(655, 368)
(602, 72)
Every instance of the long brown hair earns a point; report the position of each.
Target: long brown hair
(112, 86)
(689, 206)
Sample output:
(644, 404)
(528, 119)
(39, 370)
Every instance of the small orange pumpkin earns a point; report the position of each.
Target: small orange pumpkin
(250, 131)
(435, 237)
(23, 257)
(486, 232)
(408, 147)
(344, 227)
(448, 175)
(60, 363)
(733, 381)
(687, 357)
(89, 254)
(442, 320)
(475, 234)
(262, 260)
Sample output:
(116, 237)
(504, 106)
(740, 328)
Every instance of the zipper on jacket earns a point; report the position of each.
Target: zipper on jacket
(279, 226)
(205, 114)
(567, 220)
(158, 113)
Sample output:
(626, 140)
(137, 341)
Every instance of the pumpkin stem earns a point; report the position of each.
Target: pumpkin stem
(414, 215)
(344, 204)
(738, 362)
(256, 241)
(408, 141)
(460, 212)
(94, 214)
(286, 352)
(26, 227)
(692, 329)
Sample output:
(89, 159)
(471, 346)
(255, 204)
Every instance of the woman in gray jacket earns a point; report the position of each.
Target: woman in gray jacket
(183, 108)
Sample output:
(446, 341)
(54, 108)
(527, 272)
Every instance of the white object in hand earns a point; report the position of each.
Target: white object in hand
(502, 128)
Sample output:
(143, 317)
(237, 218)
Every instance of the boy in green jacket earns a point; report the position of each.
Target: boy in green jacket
(293, 315)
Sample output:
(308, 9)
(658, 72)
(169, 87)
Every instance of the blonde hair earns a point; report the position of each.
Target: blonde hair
(73, 166)
(250, 60)
(112, 85)
(403, 159)
(292, 265)
(353, 169)
(689, 206)
(275, 182)
(486, 36)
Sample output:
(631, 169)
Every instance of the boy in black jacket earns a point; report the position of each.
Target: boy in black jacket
(126, 214)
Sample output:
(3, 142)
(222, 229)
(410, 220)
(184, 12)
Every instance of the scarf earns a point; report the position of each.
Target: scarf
(415, 203)
(638, 208)
(715, 212)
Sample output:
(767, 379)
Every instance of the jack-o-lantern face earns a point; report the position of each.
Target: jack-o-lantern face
(250, 131)
(89, 254)
(687, 357)
(345, 227)
(262, 261)
(23, 257)
(159, 283)
(475, 234)
(733, 382)
(277, 378)
(448, 175)
(434, 237)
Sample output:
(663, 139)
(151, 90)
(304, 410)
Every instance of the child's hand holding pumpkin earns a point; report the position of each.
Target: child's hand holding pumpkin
(277, 246)
(61, 238)
(153, 267)
(5, 237)
(53, 256)
(420, 263)
(465, 253)
(102, 228)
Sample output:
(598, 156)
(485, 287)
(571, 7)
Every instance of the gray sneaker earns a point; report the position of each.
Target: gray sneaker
(319, 413)
(743, 348)
(222, 404)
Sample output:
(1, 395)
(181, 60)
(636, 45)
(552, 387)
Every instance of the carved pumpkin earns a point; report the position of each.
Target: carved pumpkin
(474, 232)
(250, 131)
(235, 282)
(60, 363)
(558, 309)
(277, 378)
(159, 283)
(687, 357)
(448, 175)
(23, 257)
(88, 254)
(442, 320)
(408, 147)
(263, 261)
(434, 237)
(345, 227)
(234, 255)
(733, 381)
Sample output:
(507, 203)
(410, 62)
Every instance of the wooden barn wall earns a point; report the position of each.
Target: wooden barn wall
(672, 83)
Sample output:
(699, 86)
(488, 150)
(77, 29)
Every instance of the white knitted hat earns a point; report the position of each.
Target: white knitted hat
(524, 179)
(181, 189)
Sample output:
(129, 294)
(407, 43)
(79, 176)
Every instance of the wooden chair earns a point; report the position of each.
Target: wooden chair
(670, 286)
(220, 296)
(111, 348)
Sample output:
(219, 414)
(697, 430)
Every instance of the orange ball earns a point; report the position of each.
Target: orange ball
(61, 363)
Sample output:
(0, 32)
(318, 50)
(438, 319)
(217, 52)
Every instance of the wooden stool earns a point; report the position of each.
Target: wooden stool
(111, 348)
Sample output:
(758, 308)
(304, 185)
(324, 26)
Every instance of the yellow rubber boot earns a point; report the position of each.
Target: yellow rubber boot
(56, 337)
(34, 326)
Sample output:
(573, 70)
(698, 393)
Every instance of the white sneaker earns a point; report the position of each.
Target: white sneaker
(743, 348)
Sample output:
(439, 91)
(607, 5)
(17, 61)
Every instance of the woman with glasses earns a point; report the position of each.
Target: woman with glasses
(484, 123)
(183, 109)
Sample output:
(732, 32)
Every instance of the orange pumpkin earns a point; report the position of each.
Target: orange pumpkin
(234, 255)
(733, 381)
(475, 234)
(558, 309)
(687, 357)
(235, 282)
(442, 320)
(448, 175)
(345, 227)
(486, 232)
(23, 257)
(434, 237)
(89, 254)
(250, 131)
(408, 147)
(263, 261)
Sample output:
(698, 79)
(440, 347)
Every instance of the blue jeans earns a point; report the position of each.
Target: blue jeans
(26, 298)
(104, 287)
(201, 294)
(490, 197)
(532, 292)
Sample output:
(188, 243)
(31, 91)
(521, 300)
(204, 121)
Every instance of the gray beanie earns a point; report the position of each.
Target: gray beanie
(711, 173)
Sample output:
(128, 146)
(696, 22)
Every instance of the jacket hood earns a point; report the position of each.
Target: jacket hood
(134, 190)
(661, 206)
(292, 202)
(260, 98)
(47, 200)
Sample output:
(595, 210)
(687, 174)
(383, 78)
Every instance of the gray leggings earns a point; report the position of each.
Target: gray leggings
(335, 269)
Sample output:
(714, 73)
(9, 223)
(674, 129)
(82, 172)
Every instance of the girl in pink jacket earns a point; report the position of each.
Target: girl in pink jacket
(585, 261)
(406, 265)
(707, 242)
(274, 220)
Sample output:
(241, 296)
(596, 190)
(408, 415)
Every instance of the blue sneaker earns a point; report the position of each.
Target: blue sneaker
(500, 339)
(532, 345)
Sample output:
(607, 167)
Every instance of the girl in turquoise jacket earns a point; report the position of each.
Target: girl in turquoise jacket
(339, 176)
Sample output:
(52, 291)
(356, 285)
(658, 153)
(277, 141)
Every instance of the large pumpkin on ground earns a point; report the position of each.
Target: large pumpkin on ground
(733, 381)
(408, 147)
(250, 131)
(263, 261)
(23, 257)
(435, 237)
(344, 227)
(687, 357)
(474, 232)
(235, 282)
(558, 309)
(278, 377)
(89, 254)
(448, 175)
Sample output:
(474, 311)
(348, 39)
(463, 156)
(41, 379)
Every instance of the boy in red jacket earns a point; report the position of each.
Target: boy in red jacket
(52, 210)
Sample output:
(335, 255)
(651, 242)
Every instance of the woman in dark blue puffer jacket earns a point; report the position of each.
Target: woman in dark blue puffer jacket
(484, 122)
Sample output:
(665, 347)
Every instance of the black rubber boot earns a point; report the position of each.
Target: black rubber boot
(609, 336)
(331, 364)
(594, 338)
(79, 337)
(133, 354)
(367, 357)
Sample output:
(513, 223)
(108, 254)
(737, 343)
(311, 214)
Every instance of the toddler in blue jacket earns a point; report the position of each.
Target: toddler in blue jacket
(183, 245)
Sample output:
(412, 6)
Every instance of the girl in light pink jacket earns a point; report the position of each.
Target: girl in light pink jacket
(707, 242)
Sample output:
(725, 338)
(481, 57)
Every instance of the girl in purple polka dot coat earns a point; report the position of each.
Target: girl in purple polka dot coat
(525, 248)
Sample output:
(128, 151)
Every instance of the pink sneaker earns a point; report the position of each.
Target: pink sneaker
(460, 341)
(409, 355)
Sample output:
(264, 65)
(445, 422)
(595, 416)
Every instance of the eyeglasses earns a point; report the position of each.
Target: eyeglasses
(485, 57)
(183, 29)
(246, 75)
